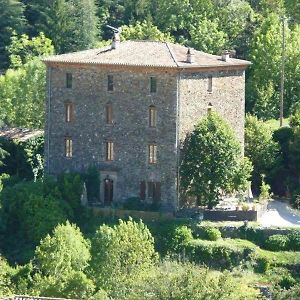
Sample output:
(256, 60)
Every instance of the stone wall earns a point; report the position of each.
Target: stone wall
(130, 131)
(227, 98)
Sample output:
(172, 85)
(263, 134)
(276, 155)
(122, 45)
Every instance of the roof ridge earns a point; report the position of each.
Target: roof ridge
(172, 54)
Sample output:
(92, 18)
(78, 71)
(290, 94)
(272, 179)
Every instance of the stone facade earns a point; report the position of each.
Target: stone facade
(181, 99)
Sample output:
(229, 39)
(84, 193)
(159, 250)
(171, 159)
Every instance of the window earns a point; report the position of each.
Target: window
(68, 147)
(209, 108)
(152, 154)
(109, 151)
(154, 191)
(143, 190)
(110, 82)
(109, 119)
(152, 84)
(209, 87)
(152, 116)
(69, 110)
(69, 80)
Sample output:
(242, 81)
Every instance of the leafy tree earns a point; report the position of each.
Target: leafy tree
(23, 49)
(144, 31)
(206, 36)
(5, 273)
(211, 161)
(71, 25)
(260, 148)
(11, 18)
(22, 95)
(120, 253)
(69, 251)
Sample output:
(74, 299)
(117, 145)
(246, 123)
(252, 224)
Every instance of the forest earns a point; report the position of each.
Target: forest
(50, 245)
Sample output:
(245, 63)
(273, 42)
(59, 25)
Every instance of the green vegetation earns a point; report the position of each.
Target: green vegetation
(212, 162)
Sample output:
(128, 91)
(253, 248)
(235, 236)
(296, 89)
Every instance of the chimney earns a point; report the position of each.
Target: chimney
(190, 56)
(115, 41)
(226, 55)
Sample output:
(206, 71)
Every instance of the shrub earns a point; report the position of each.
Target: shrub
(219, 255)
(277, 242)
(182, 236)
(208, 233)
(262, 264)
(294, 241)
(290, 294)
(295, 199)
(252, 234)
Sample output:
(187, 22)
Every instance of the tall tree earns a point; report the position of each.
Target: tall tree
(11, 19)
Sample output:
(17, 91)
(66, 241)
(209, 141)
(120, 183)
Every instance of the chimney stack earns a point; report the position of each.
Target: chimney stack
(115, 40)
(190, 56)
(226, 55)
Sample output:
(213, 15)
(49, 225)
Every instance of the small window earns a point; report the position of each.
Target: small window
(209, 108)
(152, 84)
(109, 151)
(209, 86)
(109, 119)
(69, 109)
(152, 116)
(152, 154)
(69, 80)
(110, 82)
(68, 147)
(143, 190)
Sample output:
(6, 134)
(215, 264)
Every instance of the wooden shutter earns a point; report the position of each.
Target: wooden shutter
(143, 190)
(157, 192)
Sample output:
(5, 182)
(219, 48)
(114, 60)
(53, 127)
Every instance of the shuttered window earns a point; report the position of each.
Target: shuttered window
(109, 119)
(154, 191)
(109, 151)
(110, 82)
(152, 116)
(143, 190)
(69, 82)
(69, 112)
(68, 147)
(210, 84)
(153, 85)
(152, 149)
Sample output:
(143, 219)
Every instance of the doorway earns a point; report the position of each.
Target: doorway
(108, 191)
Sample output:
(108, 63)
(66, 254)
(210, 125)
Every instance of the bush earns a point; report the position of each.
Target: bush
(295, 199)
(262, 264)
(291, 294)
(182, 236)
(252, 234)
(277, 242)
(219, 255)
(208, 233)
(294, 241)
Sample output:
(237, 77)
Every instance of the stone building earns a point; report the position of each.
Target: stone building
(127, 108)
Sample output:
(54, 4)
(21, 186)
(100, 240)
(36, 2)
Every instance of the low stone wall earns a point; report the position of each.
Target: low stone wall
(230, 215)
(136, 214)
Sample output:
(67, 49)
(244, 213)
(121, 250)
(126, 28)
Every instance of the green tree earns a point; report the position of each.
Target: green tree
(23, 49)
(260, 148)
(5, 282)
(144, 31)
(22, 95)
(11, 19)
(71, 25)
(120, 253)
(211, 160)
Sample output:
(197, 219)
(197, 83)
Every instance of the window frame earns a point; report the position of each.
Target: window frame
(68, 147)
(210, 84)
(152, 111)
(109, 114)
(109, 151)
(110, 83)
(152, 153)
(69, 112)
(153, 84)
(69, 80)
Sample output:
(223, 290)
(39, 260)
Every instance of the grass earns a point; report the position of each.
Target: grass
(275, 124)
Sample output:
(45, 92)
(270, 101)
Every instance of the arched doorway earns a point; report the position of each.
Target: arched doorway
(108, 191)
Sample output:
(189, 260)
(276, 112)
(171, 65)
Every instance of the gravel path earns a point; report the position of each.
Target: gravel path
(280, 214)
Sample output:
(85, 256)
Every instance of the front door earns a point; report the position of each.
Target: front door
(108, 191)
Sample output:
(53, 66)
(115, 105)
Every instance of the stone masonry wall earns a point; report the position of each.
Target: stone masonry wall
(130, 131)
(227, 98)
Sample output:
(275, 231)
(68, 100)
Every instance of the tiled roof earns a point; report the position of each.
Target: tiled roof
(145, 53)
(20, 134)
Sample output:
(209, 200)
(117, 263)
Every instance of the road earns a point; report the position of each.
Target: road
(280, 214)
